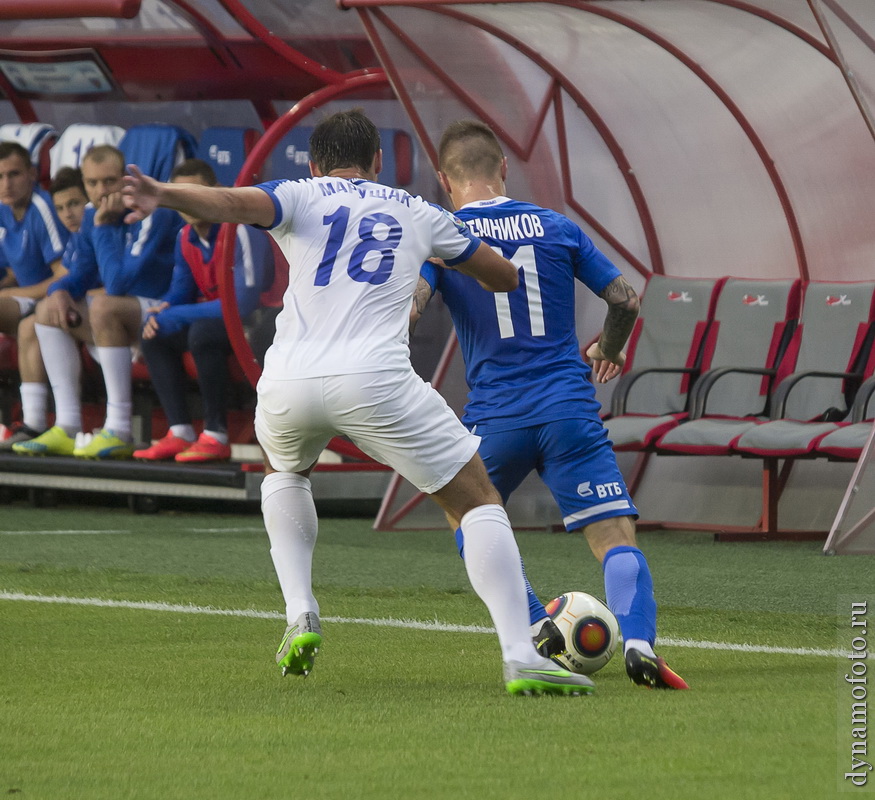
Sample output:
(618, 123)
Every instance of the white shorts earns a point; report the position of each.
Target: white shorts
(26, 305)
(393, 416)
(145, 304)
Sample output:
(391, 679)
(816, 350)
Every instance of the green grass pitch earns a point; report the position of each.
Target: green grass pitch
(143, 701)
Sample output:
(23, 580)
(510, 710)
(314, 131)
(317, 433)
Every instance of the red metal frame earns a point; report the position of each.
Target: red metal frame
(847, 73)
(64, 9)
(212, 36)
(353, 82)
(253, 26)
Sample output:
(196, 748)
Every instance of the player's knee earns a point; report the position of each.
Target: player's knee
(41, 314)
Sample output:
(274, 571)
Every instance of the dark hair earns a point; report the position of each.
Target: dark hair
(8, 149)
(195, 168)
(67, 178)
(469, 148)
(345, 139)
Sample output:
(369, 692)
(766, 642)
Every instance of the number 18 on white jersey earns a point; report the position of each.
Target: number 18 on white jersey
(354, 250)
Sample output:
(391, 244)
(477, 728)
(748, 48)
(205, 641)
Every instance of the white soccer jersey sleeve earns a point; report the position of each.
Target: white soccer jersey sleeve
(354, 250)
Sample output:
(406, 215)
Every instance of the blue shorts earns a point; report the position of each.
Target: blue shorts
(575, 460)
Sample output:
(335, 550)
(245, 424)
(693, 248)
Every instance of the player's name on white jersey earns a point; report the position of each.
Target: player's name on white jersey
(364, 190)
(517, 226)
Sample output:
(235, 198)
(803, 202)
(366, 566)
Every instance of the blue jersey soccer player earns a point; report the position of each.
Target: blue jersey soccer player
(531, 398)
(131, 265)
(32, 241)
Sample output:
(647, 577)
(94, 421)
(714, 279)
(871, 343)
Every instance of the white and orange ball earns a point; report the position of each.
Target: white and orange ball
(590, 629)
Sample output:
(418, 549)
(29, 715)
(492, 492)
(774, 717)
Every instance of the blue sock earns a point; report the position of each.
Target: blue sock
(629, 592)
(537, 612)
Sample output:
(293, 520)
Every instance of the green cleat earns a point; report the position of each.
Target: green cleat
(54, 442)
(104, 445)
(532, 679)
(300, 643)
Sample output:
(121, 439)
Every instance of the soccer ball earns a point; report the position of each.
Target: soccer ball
(590, 629)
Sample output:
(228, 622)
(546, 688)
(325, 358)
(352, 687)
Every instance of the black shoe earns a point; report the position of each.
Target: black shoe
(653, 673)
(548, 639)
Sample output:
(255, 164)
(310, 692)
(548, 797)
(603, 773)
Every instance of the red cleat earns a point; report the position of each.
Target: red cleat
(206, 448)
(164, 449)
(653, 673)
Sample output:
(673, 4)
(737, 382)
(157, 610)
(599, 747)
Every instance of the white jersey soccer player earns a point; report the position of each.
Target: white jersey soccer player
(355, 245)
(340, 364)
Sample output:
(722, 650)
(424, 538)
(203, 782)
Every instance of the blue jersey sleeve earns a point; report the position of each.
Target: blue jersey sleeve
(83, 271)
(183, 288)
(591, 266)
(175, 318)
(138, 259)
(430, 272)
(269, 188)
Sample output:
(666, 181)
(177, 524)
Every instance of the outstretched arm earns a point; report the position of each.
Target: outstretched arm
(607, 353)
(246, 205)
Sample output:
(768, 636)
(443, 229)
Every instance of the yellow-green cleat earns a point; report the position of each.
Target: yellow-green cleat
(300, 643)
(533, 679)
(104, 445)
(54, 442)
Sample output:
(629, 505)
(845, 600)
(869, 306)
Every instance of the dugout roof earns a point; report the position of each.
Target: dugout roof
(693, 137)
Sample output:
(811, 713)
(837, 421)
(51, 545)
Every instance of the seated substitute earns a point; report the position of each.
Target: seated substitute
(189, 317)
(32, 242)
(133, 264)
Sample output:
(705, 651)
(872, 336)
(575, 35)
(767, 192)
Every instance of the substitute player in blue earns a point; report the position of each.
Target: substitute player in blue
(32, 241)
(120, 271)
(531, 398)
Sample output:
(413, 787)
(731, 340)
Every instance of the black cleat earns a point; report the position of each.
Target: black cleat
(548, 639)
(653, 673)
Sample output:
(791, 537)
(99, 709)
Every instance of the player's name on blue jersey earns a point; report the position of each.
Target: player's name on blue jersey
(516, 226)
(364, 190)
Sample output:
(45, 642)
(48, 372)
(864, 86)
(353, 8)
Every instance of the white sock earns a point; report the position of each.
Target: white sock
(219, 436)
(292, 526)
(641, 645)
(492, 560)
(183, 432)
(64, 368)
(34, 400)
(116, 365)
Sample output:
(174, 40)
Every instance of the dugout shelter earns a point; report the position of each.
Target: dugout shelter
(694, 139)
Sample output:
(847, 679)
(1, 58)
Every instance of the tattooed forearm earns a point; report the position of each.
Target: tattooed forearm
(623, 305)
(421, 296)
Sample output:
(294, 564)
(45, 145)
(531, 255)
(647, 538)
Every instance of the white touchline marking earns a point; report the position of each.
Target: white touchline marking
(72, 532)
(53, 532)
(227, 530)
(436, 625)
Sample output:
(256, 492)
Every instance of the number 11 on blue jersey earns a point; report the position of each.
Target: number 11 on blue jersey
(523, 257)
